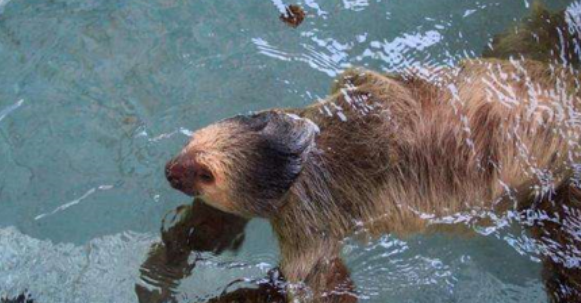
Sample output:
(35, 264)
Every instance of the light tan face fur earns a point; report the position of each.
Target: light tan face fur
(206, 149)
(205, 157)
(243, 165)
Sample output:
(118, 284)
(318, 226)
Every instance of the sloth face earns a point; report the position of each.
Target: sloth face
(246, 164)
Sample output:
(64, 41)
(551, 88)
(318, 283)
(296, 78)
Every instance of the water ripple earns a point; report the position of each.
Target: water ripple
(69, 273)
(331, 62)
(75, 201)
(5, 112)
(330, 56)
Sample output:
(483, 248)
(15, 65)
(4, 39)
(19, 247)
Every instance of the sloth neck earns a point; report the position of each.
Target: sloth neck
(337, 189)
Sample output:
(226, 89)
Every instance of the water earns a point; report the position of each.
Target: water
(95, 97)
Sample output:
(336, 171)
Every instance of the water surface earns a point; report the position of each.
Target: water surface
(95, 97)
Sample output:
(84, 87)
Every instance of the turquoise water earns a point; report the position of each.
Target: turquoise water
(95, 97)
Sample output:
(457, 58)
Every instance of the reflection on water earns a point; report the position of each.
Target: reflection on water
(74, 202)
(4, 112)
(95, 97)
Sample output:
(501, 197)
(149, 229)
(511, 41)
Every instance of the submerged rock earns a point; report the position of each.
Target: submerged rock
(22, 298)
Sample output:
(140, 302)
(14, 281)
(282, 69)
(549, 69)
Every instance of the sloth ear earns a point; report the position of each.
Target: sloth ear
(290, 133)
(286, 141)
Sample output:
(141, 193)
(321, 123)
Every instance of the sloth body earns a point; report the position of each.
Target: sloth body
(388, 155)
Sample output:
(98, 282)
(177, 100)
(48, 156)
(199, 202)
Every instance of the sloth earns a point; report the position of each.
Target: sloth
(394, 154)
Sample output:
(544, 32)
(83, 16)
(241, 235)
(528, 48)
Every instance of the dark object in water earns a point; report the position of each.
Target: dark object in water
(293, 16)
(554, 222)
(22, 298)
(269, 290)
(542, 36)
(199, 228)
(188, 229)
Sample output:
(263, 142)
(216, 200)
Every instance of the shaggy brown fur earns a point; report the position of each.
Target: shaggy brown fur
(394, 155)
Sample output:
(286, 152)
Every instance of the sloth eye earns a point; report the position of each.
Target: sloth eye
(206, 176)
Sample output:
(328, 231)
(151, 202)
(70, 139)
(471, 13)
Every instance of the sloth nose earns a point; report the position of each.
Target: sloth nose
(181, 177)
(174, 173)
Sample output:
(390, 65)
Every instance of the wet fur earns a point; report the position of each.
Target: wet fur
(417, 151)
(411, 150)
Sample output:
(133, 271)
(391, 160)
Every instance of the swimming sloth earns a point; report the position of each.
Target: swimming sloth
(392, 154)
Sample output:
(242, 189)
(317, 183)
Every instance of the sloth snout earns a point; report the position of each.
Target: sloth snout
(180, 176)
(173, 174)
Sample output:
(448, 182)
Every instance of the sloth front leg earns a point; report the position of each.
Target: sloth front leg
(317, 275)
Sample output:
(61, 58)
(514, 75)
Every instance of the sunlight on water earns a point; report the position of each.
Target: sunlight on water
(9, 109)
(96, 96)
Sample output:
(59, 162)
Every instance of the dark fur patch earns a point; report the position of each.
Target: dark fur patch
(276, 158)
(254, 122)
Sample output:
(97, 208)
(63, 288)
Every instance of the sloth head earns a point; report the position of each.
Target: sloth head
(246, 164)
